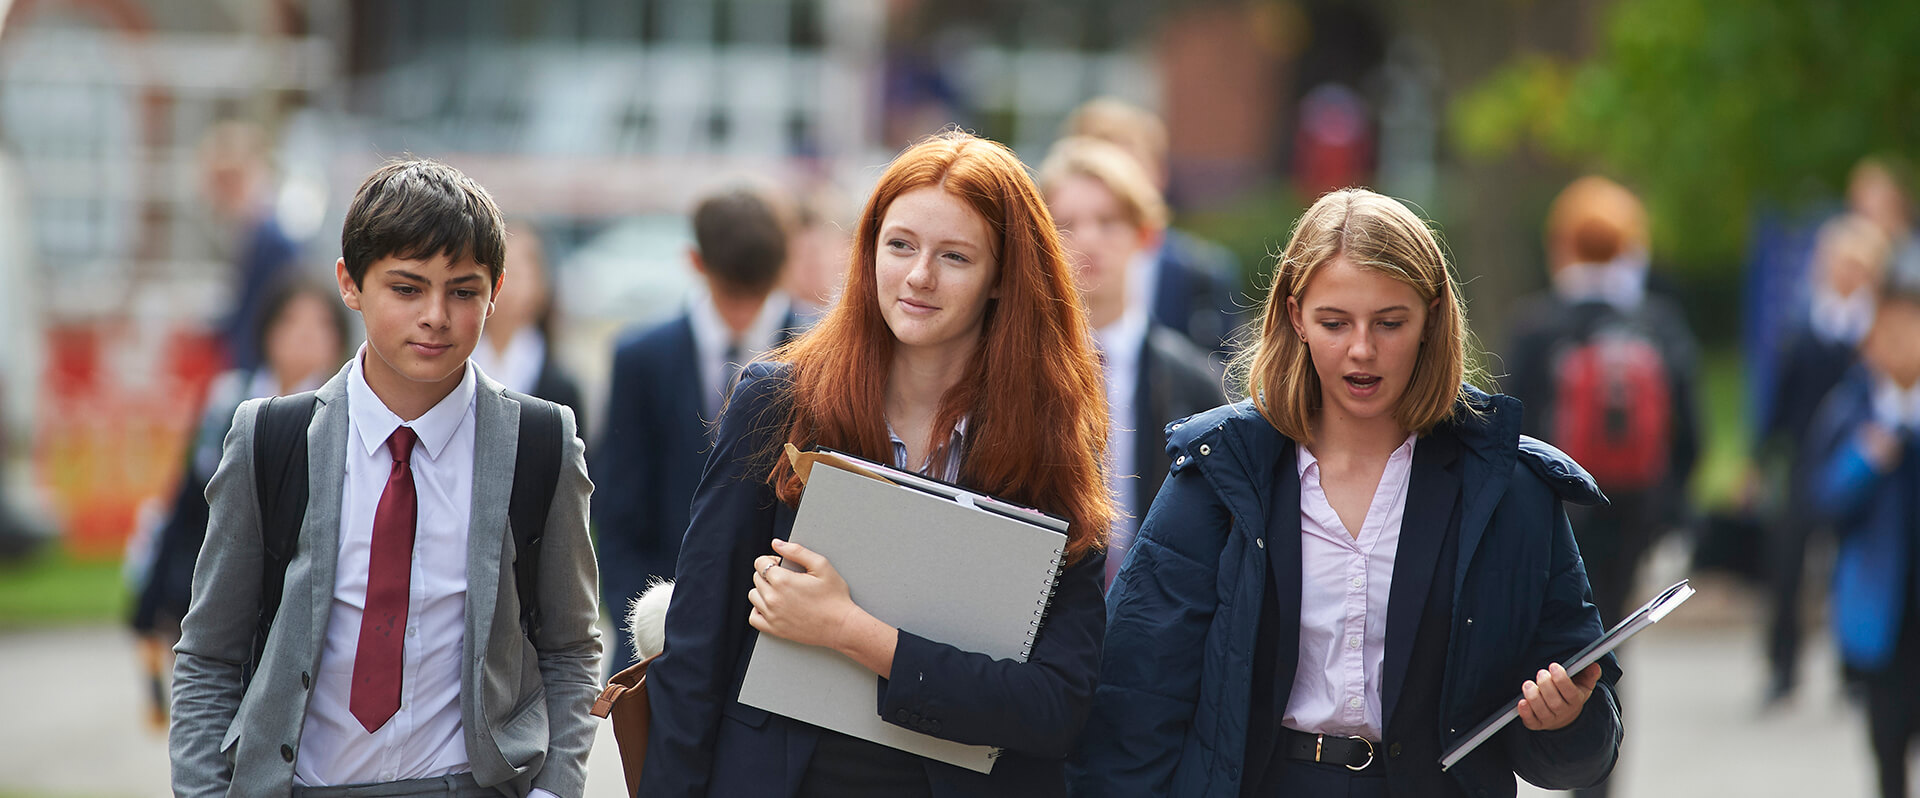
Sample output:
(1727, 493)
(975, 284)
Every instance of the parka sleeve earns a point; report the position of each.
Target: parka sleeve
(1158, 612)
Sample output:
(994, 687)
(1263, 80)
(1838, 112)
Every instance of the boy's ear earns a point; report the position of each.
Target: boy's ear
(693, 259)
(493, 299)
(349, 293)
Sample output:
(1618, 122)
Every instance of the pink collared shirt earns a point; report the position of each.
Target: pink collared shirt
(1345, 582)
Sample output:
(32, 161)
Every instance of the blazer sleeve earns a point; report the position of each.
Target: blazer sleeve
(216, 637)
(1035, 707)
(1582, 753)
(567, 642)
(1158, 612)
(1843, 478)
(733, 521)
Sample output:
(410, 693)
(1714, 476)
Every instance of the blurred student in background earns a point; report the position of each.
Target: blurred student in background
(817, 252)
(237, 178)
(668, 385)
(303, 337)
(1191, 284)
(1865, 446)
(1108, 212)
(517, 348)
(1605, 370)
(1848, 262)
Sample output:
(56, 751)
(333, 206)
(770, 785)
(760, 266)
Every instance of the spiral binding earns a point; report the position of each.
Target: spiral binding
(1040, 607)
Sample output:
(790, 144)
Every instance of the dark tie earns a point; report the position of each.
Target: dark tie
(383, 624)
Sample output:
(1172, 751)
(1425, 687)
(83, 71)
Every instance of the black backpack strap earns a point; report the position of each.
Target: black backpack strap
(280, 480)
(536, 473)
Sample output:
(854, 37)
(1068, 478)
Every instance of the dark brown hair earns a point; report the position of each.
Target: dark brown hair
(417, 209)
(742, 240)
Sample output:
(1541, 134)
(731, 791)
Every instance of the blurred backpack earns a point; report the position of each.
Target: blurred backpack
(1613, 402)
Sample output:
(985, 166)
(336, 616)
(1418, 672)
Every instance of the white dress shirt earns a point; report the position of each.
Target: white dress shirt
(424, 739)
(711, 337)
(518, 367)
(1345, 584)
(1895, 407)
(1837, 319)
(1621, 282)
(1120, 345)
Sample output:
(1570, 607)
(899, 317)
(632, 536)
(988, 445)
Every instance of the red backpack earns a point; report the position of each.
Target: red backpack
(1613, 408)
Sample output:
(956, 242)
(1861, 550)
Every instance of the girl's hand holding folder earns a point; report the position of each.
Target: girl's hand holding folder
(1553, 699)
(813, 606)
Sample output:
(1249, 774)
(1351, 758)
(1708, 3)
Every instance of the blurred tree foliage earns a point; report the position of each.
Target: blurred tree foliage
(1712, 108)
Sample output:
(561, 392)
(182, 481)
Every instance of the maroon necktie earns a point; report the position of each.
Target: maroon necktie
(383, 624)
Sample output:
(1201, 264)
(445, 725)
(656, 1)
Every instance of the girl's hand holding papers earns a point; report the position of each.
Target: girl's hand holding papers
(1553, 699)
(814, 607)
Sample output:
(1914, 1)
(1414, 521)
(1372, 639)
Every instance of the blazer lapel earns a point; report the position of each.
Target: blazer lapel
(326, 478)
(496, 444)
(1431, 493)
(1283, 557)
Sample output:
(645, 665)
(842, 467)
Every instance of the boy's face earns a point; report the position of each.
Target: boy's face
(423, 319)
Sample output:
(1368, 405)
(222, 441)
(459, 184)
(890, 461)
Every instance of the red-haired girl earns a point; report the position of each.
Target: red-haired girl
(958, 350)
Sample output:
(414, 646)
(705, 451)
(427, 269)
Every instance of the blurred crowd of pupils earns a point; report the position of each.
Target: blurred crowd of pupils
(1603, 360)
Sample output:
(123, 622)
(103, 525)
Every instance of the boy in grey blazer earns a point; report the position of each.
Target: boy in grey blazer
(410, 465)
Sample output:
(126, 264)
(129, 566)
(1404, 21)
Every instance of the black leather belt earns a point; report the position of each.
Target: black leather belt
(1356, 753)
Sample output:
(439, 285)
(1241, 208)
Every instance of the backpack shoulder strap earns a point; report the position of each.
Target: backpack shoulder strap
(280, 480)
(536, 473)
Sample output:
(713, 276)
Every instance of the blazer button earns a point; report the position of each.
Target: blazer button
(1394, 750)
(1181, 460)
(1260, 542)
(286, 752)
(903, 716)
(1205, 450)
(306, 683)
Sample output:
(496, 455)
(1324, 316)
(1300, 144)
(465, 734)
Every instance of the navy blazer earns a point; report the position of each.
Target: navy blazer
(646, 465)
(1175, 713)
(1175, 379)
(1194, 291)
(705, 742)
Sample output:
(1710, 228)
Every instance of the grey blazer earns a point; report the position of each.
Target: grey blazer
(523, 704)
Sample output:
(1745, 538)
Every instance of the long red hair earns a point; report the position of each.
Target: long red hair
(1032, 395)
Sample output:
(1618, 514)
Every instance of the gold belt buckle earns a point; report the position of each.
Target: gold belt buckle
(1363, 765)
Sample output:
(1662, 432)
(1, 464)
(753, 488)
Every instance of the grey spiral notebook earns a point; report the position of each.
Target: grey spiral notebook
(923, 556)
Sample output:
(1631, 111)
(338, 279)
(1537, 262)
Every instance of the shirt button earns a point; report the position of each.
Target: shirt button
(1205, 449)
(1181, 460)
(1357, 581)
(1354, 702)
(1353, 642)
(1260, 542)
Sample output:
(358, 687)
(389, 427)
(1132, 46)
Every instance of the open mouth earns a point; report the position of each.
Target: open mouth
(1363, 381)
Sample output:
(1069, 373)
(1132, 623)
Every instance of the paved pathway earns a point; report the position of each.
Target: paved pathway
(75, 727)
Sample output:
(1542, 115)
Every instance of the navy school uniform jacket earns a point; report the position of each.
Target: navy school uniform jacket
(705, 742)
(1178, 711)
(1878, 523)
(647, 465)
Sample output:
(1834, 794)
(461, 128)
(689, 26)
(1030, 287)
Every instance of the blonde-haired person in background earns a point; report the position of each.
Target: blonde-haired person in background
(1344, 574)
(1190, 284)
(1108, 212)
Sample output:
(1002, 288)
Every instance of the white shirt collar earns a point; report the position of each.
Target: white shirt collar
(1894, 406)
(376, 422)
(1122, 339)
(711, 335)
(1306, 460)
(1143, 275)
(1621, 282)
(1840, 319)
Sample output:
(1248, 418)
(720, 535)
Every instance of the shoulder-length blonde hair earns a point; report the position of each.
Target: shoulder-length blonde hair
(1033, 398)
(1373, 232)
